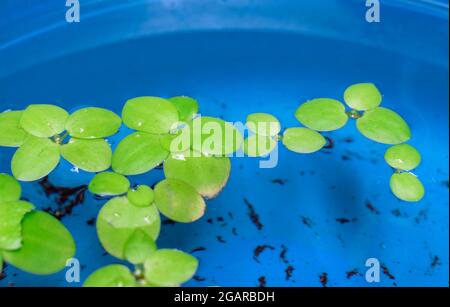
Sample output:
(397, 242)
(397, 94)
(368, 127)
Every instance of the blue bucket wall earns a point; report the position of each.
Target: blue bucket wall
(238, 57)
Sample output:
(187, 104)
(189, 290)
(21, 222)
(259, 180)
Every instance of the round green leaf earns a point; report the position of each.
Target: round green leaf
(114, 239)
(35, 159)
(322, 114)
(93, 123)
(138, 153)
(263, 124)
(88, 155)
(403, 157)
(109, 184)
(362, 96)
(259, 146)
(150, 114)
(214, 137)
(11, 134)
(303, 140)
(142, 196)
(166, 267)
(407, 187)
(120, 213)
(46, 245)
(187, 107)
(384, 126)
(11, 215)
(138, 247)
(179, 201)
(44, 120)
(208, 175)
(114, 275)
(10, 189)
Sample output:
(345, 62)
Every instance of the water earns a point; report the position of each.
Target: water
(303, 203)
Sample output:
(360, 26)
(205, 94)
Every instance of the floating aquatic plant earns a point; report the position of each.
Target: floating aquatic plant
(33, 241)
(322, 114)
(194, 152)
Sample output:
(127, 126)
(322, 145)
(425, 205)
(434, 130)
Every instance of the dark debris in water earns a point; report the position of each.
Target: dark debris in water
(421, 216)
(387, 272)
(344, 220)
(307, 221)
(348, 140)
(279, 181)
(352, 273)
(199, 278)
(91, 221)
(372, 208)
(398, 213)
(259, 250)
(435, 261)
(283, 253)
(198, 249)
(254, 217)
(221, 239)
(66, 198)
(323, 278)
(168, 222)
(262, 281)
(329, 144)
(289, 270)
(234, 231)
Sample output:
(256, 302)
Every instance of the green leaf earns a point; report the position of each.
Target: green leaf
(263, 124)
(362, 96)
(176, 142)
(10, 189)
(120, 213)
(259, 146)
(214, 137)
(109, 184)
(407, 187)
(322, 114)
(114, 275)
(44, 120)
(11, 215)
(303, 140)
(169, 266)
(138, 153)
(208, 175)
(46, 245)
(384, 126)
(114, 239)
(142, 196)
(93, 123)
(11, 134)
(187, 107)
(179, 201)
(403, 157)
(150, 114)
(138, 247)
(35, 159)
(88, 155)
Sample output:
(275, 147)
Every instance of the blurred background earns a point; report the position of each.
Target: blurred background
(323, 215)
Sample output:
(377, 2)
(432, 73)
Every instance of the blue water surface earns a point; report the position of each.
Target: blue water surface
(323, 214)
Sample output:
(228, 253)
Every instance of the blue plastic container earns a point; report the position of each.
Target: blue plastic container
(242, 56)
